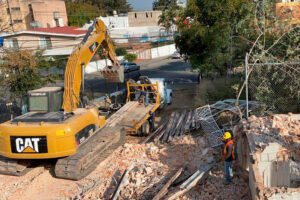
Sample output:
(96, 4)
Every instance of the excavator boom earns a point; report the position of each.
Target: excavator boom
(95, 37)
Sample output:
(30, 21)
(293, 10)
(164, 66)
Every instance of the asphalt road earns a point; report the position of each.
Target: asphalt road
(175, 71)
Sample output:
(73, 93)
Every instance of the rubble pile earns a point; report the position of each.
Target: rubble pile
(282, 129)
(151, 165)
(272, 144)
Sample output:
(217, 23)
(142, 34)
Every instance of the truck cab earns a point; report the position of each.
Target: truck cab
(165, 93)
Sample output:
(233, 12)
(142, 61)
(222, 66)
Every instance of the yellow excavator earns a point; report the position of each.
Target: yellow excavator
(60, 124)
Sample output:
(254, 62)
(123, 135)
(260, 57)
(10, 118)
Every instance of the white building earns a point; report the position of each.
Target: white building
(180, 3)
(111, 22)
(121, 32)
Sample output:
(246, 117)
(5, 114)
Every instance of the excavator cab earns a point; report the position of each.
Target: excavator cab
(46, 99)
(44, 105)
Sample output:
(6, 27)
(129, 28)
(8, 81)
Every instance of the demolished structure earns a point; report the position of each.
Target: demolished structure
(269, 150)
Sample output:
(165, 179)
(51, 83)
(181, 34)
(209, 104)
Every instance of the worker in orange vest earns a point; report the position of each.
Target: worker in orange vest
(228, 155)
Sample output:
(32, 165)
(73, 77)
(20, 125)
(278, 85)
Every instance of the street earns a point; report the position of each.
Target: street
(175, 71)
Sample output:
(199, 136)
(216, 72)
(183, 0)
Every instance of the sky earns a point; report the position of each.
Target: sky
(142, 4)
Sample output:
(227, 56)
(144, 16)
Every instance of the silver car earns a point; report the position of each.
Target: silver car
(176, 55)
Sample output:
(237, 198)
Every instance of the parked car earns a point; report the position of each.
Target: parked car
(176, 55)
(129, 66)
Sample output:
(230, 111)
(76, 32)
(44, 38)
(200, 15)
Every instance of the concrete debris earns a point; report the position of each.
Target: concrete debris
(272, 145)
(155, 166)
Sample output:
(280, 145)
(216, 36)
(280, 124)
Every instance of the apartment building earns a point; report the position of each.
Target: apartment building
(19, 15)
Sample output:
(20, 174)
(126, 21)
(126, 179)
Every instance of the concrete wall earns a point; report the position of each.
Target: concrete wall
(144, 18)
(99, 65)
(158, 52)
(269, 169)
(115, 21)
(163, 51)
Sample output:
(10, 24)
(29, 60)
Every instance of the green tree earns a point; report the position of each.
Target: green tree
(121, 6)
(120, 51)
(207, 31)
(82, 11)
(20, 72)
(168, 18)
(130, 57)
(164, 4)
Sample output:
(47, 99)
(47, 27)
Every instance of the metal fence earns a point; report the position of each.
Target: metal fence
(276, 86)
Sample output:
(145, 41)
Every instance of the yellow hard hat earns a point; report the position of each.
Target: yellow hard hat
(226, 135)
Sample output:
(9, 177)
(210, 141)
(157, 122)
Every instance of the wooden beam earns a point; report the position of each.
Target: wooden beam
(198, 176)
(188, 122)
(152, 135)
(179, 124)
(120, 185)
(164, 190)
(168, 128)
(172, 129)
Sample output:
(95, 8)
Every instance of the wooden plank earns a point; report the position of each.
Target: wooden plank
(172, 129)
(164, 190)
(198, 176)
(152, 135)
(120, 185)
(188, 122)
(182, 128)
(167, 131)
(179, 124)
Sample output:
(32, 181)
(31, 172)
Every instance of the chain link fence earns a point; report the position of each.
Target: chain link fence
(276, 87)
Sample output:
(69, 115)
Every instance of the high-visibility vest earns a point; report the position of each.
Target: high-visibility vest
(225, 149)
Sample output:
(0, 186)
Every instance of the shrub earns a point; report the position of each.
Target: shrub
(120, 51)
(130, 57)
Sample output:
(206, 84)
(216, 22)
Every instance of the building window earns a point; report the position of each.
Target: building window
(45, 43)
(135, 15)
(17, 21)
(56, 14)
(146, 15)
(151, 15)
(12, 43)
(15, 9)
(7, 10)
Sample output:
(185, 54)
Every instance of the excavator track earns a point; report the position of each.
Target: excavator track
(96, 149)
(14, 167)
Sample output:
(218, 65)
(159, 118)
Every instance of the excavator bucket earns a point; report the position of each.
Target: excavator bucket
(113, 75)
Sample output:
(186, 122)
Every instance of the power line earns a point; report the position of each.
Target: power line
(162, 37)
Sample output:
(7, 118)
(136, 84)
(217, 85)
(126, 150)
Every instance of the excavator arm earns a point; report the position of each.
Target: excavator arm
(95, 37)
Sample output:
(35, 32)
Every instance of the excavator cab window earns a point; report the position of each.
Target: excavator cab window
(47, 99)
(38, 103)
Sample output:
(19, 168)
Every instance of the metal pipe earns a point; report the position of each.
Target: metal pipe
(246, 73)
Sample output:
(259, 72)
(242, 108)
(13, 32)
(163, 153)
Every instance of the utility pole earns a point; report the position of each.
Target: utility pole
(11, 20)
